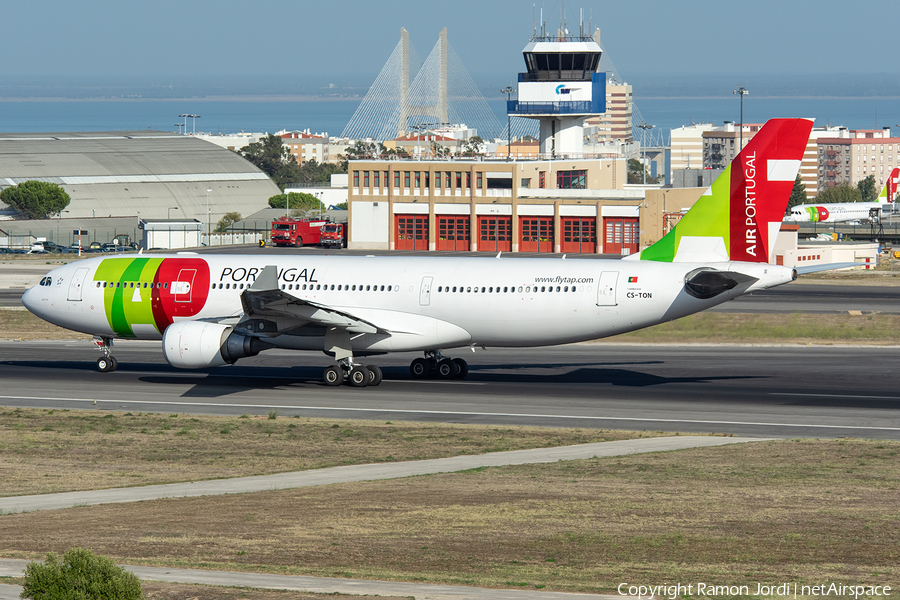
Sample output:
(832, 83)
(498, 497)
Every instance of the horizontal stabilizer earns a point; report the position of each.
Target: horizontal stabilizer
(828, 267)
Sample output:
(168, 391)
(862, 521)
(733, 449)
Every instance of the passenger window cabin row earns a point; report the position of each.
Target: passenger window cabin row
(132, 284)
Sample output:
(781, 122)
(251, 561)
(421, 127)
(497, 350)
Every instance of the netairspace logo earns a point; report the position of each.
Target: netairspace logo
(672, 591)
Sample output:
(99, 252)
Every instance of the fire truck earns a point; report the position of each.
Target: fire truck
(333, 235)
(306, 232)
(296, 232)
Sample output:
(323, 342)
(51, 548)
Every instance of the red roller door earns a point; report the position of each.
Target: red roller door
(411, 232)
(537, 234)
(453, 232)
(579, 234)
(494, 234)
(620, 235)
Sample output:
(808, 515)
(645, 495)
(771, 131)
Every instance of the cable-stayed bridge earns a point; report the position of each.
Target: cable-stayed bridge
(409, 93)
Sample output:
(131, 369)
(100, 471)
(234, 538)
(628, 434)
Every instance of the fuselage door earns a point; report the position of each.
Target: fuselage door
(76, 285)
(184, 285)
(606, 289)
(425, 291)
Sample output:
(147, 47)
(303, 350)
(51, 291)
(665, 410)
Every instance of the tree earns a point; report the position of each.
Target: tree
(312, 172)
(839, 193)
(37, 199)
(297, 201)
(269, 154)
(798, 194)
(227, 220)
(473, 146)
(637, 172)
(81, 575)
(362, 150)
(867, 190)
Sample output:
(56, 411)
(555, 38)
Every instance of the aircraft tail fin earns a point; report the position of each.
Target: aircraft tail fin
(739, 216)
(889, 191)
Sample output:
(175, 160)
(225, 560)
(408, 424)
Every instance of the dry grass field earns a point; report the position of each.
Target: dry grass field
(48, 451)
(793, 510)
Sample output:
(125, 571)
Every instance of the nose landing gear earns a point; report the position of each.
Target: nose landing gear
(106, 363)
(437, 365)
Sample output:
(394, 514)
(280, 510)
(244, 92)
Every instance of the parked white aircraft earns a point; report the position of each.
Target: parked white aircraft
(847, 211)
(215, 309)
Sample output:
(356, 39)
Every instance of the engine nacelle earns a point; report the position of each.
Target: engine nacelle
(196, 345)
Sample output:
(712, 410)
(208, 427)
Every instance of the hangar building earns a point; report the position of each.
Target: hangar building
(150, 174)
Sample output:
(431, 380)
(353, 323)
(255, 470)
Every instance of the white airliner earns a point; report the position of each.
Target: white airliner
(213, 310)
(839, 212)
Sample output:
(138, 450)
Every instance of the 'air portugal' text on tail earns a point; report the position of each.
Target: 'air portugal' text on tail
(739, 216)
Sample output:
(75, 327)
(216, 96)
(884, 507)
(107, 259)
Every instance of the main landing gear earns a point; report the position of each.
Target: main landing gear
(337, 343)
(354, 375)
(106, 363)
(435, 364)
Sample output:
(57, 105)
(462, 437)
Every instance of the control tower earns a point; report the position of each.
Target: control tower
(561, 89)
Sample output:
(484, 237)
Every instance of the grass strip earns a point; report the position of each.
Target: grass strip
(795, 328)
(796, 510)
(47, 451)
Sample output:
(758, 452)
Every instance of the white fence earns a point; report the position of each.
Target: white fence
(228, 239)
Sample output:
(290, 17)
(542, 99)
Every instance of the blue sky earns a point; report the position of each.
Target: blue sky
(294, 39)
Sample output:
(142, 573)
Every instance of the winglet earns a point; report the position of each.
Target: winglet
(266, 280)
(889, 191)
(739, 216)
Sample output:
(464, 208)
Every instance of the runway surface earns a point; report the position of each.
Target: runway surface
(793, 391)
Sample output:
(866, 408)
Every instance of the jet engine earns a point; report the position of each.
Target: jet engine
(195, 345)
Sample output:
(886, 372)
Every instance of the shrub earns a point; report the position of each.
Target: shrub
(81, 575)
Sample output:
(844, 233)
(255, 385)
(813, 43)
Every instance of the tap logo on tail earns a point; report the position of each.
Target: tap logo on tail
(889, 191)
(739, 216)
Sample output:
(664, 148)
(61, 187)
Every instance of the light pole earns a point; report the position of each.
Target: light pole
(418, 128)
(645, 127)
(194, 124)
(185, 116)
(508, 90)
(208, 190)
(169, 213)
(58, 215)
(742, 92)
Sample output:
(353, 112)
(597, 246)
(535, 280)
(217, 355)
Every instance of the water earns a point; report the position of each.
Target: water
(331, 115)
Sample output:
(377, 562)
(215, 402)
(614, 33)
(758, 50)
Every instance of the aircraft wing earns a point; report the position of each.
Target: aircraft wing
(270, 309)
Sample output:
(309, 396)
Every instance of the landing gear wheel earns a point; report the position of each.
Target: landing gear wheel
(463, 368)
(447, 369)
(358, 377)
(115, 363)
(420, 368)
(104, 364)
(375, 374)
(333, 375)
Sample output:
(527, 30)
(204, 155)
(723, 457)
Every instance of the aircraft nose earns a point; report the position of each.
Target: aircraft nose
(28, 299)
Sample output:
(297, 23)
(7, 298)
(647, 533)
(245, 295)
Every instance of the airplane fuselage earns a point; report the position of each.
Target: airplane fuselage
(417, 303)
(835, 213)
